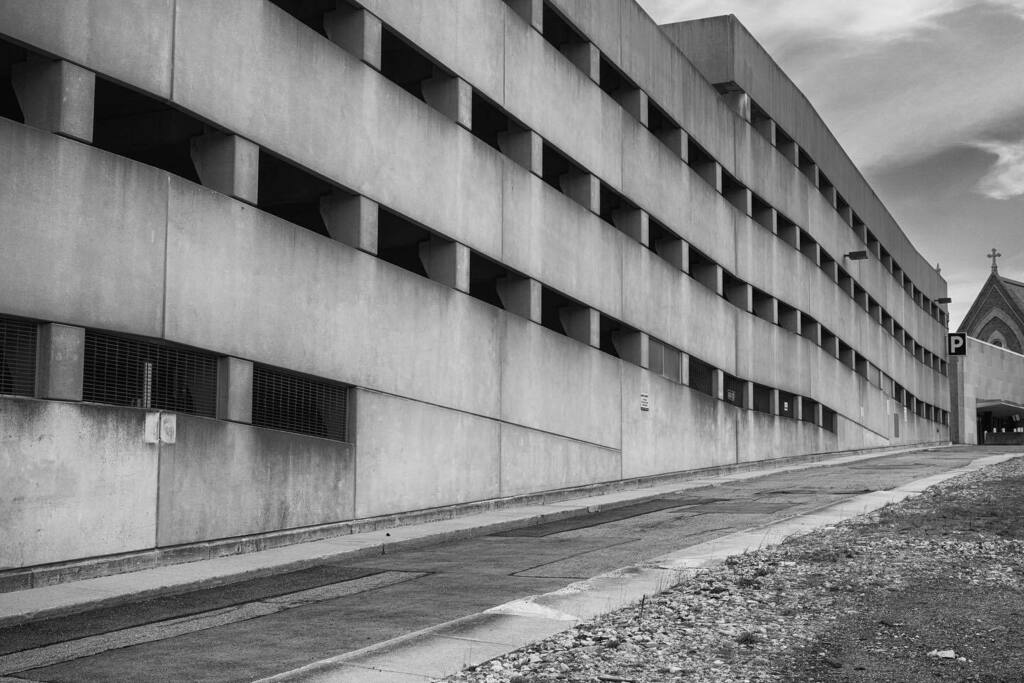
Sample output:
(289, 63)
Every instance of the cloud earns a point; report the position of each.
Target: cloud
(1005, 179)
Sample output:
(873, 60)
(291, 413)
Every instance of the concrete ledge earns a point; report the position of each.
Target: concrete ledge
(56, 590)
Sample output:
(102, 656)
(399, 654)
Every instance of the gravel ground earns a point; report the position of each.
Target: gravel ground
(929, 589)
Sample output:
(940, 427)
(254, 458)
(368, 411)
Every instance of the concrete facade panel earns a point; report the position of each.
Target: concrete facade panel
(555, 384)
(538, 461)
(221, 479)
(83, 485)
(127, 40)
(72, 215)
(760, 436)
(414, 456)
(365, 321)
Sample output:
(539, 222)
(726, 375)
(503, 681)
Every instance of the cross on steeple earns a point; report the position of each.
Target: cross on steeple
(994, 255)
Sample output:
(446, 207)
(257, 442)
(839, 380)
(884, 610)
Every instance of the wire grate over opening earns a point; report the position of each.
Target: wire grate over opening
(702, 377)
(128, 372)
(17, 357)
(295, 403)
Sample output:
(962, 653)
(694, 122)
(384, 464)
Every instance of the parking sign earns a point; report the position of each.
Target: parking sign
(956, 344)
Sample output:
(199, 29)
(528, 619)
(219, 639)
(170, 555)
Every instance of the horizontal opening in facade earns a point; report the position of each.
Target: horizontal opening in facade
(734, 390)
(665, 360)
(829, 419)
(764, 305)
(703, 269)
(406, 66)
(827, 263)
(484, 275)
(762, 213)
(762, 398)
(735, 291)
(735, 192)
(809, 328)
(808, 246)
(789, 317)
(10, 54)
(702, 163)
(826, 188)
(808, 167)
(829, 342)
(310, 12)
(399, 240)
(665, 128)
(846, 354)
(557, 168)
(665, 243)
(618, 211)
(787, 146)
(788, 231)
(292, 193)
(616, 84)
(551, 304)
(17, 356)
(787, 404)
(489, 121)
(808, 409)
(702, 376)
(619, 339)
(137, 126)
(297, 403)
(125, 371)
(558, 31)
(761, 121)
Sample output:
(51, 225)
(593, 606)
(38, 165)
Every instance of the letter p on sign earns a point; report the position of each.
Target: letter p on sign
(956, 344)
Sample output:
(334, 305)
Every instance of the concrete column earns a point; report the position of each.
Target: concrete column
(351, 219)
(584, 188)
(819, 417)
(228, 164)
(586, 57)
(60, 362)
(356, 31)
(675, 251)
(633, 347)
(635, 102)
(748, 395)
(446, 262)
(684, 369)
(521, 296)
(234, 389)
(635, 223)
(57, 96)
(582, 324)
(718, 384)
(526, 148)
(766, 127)
(775, 404)
(676, 140)
(451, 96)
(798, 408)
(532, 12)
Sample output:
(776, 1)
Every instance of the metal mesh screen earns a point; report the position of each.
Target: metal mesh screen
(702, 376)
(828, 419)
(808, 410)
(128, 372)
(17, 357)
(762, 399)
(787, 404)
(733, 390)
(295, 403)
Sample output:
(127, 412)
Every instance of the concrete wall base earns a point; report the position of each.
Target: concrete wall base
(62, 572)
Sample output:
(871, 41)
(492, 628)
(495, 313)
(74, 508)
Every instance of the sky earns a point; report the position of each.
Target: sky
(927, 98)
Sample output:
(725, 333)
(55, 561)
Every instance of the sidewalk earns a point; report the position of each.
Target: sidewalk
(448, 648)
(70, 597)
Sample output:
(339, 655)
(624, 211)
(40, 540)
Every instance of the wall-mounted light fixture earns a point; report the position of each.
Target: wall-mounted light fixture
(856, 256)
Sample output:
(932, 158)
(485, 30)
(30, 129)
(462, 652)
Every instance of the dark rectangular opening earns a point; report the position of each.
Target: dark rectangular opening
(761, 121)
(789, 317)
(614, 206)
(843, 207)
(826, 188)
(702, 376)
(703, 270)
(555, 165)
(611, 330)
(669, 362)
(558, 31)
(660, 238)
(17, 357)
(845, 281)
(733, 390)
(846, 354)
(762, 398)
(861, 365)
(145, 129)
(787, 146)
(764, 307)
(613, 81)
(829, 419)
(125, 371)
(809, 246)
(829, 341)
(827, 263)
(809, 328)
(292, 193)
(875, 309)
(664, 127)
(483, 278)
(761, 212)
(489, 121)
(10, 54)
(404, 65)
(734, 290)
(808, 167)
(296, 403)
(398, 241)
(874, 246)
(787, 404)
(788, 231)
(309, 12)
(734, 192)
(701, 162)
(808, 410)
(886, 258)
(860, 295)
(551, 305)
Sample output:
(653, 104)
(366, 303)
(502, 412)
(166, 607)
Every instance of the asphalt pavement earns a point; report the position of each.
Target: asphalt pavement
(327, 620)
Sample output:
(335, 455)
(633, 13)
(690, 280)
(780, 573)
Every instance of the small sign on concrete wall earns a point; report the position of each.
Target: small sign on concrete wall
(956, 344)
(160, 428)
(645, 403)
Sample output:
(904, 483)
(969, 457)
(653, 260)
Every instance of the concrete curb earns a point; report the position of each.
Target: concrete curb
(447, 648)
(61, 599)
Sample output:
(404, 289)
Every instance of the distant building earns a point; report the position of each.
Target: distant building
(272, 269)
(987, 383)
